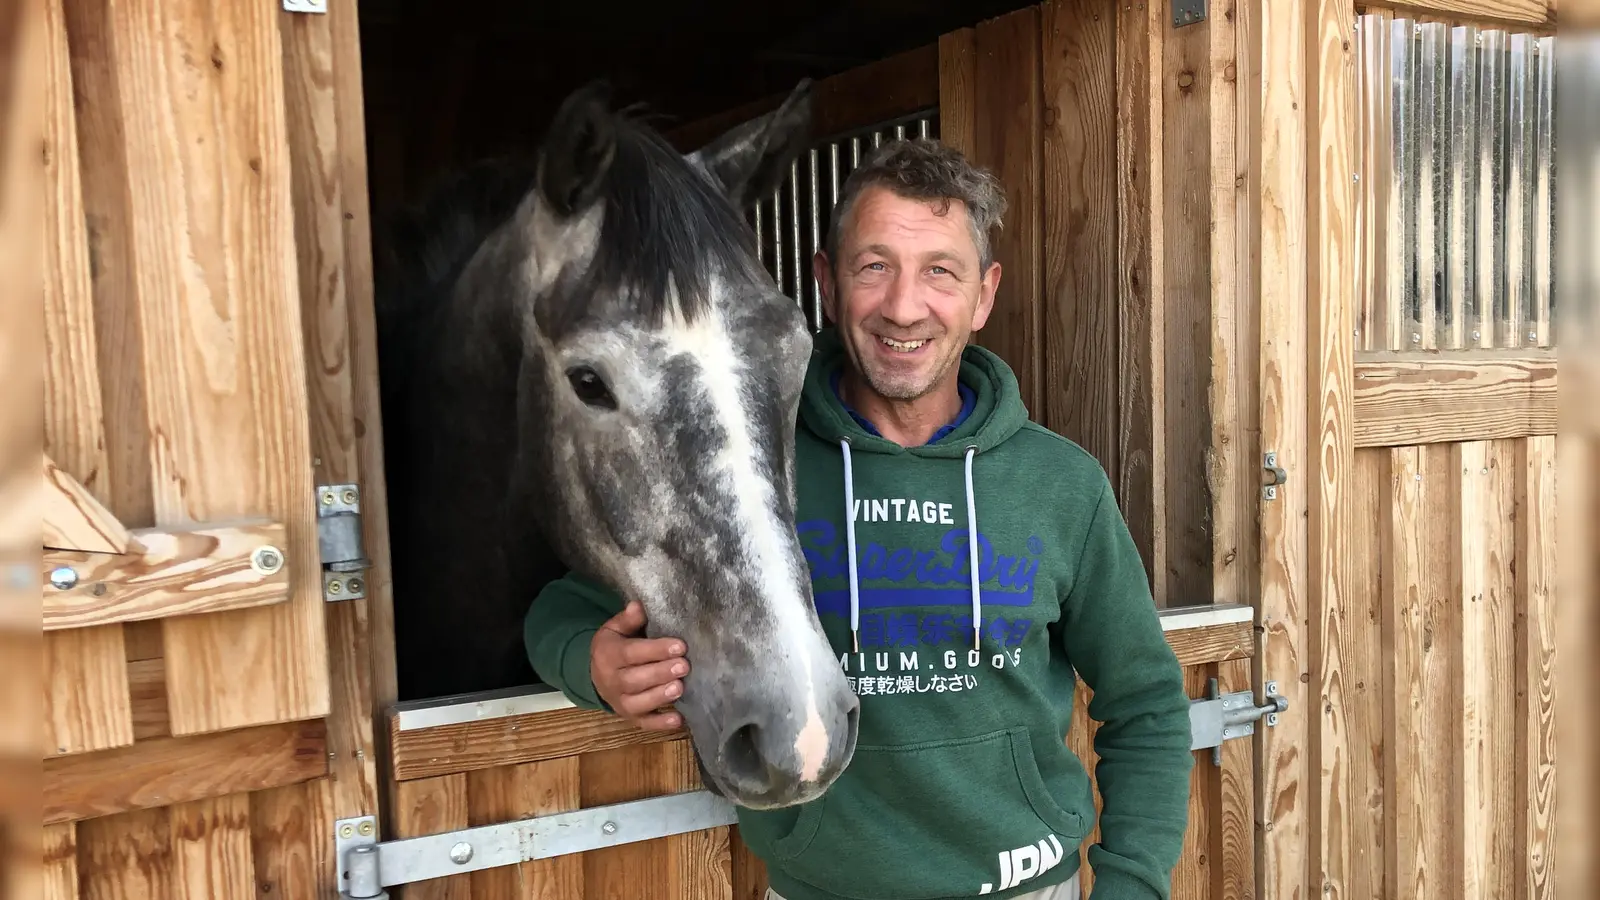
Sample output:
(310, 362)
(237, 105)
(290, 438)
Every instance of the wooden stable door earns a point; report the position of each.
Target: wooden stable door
(208, 693)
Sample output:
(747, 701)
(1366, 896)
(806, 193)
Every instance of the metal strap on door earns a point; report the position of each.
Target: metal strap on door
(366, 866)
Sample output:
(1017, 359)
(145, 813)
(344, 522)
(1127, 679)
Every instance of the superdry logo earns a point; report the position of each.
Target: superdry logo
(916, 577)
(1025, 862)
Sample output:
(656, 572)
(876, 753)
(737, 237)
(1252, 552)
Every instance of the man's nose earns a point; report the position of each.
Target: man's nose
(902, 301)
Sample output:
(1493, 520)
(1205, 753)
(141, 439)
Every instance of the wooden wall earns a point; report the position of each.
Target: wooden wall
(495, 769)
(207, 310)
(1121, 304)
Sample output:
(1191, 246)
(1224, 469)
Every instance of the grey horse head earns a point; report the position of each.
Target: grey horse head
(659, 378)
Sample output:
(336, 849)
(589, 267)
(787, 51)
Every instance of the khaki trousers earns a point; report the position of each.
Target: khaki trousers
(1066, 890)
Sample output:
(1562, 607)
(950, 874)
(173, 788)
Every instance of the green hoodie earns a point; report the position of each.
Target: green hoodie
(962, 784)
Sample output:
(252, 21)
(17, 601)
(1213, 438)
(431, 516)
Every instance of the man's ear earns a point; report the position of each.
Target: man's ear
(750, 160)
(577, 150)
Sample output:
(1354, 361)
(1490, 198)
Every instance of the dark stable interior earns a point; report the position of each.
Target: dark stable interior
(446, 86)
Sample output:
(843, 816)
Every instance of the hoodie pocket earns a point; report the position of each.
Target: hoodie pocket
(951, 818)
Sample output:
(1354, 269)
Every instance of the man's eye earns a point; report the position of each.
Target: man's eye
(590, 388)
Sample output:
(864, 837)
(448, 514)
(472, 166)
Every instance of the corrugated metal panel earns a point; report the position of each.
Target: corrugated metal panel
(1454, 211)
(793, 222)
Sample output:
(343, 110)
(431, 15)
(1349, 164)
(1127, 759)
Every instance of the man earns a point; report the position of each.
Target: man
(962, 784)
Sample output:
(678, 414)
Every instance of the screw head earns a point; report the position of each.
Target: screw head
(349, 496)
(266, 560)
(1272, 688)
(355, 585)
(366, 829)
(63, 578)
(347, 830)
(609, 828)
(335, 587)
(328, 498)
(461, 853)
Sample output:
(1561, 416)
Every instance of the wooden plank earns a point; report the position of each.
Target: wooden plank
(1078, 217)
(165, 771)
(1006, 140)
(1403, 548)
(429, 806)
(1192, 877)
(958, 85)
(179, 573)
(1531, 12)
(1535, 518)
(1213, 643)
(1284, 793)
(221, 351)
(482, 744)
(1405, 399)
(1368, 694)
(1140, 285)
(128, 856)
(322, 67)
(523, 791)
(87, 700)
(289, 838)
(75, 520)
(1188, 355)
(1329, 462)
(1233, 839)
(60, 863)
(211, 847)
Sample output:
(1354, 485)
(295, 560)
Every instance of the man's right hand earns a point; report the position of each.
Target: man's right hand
(635, 675)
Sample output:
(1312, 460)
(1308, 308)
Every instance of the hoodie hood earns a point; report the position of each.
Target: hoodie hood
(997, 414)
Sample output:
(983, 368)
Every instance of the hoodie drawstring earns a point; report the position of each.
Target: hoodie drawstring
(850, 545)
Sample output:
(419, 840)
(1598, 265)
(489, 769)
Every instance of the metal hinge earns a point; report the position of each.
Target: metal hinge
(1188, 12)
(1223, 717)
(365, 866)
(339, 542)
(1275, 476)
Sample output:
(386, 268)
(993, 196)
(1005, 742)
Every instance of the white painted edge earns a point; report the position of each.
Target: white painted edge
(489, 705)
(523, 701)
(1184, 617)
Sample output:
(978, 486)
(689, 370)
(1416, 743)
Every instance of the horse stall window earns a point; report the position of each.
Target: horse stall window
(474, 94)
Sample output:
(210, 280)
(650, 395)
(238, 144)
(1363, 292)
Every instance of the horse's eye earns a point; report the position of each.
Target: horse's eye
(590, 388)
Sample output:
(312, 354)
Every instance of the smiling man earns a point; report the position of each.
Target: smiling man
(917, 466)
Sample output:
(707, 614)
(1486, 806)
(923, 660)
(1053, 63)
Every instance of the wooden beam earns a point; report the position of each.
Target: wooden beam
(179, 573)
(178, 769)
(1407, 399)
(1529, 12)
(1213, 643)
(75, 520)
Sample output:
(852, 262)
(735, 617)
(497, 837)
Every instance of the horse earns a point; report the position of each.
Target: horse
(585, 367)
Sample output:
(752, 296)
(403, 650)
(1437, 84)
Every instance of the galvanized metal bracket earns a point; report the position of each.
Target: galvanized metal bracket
(344, 563)
(1224, 717)
(1188, 12)
(367, 867)
(1275, 476)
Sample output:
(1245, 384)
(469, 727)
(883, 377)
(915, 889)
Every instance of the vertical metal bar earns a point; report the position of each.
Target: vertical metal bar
(900, 132)
(922, 127)
(1432, 136)
(1519, 194)
(855, 152)
(777, 236)
(814, 301)
(1490, 220)
(1543, 207)
(794, 227)
(1461, 178)
(761, 249)
(1400, 265)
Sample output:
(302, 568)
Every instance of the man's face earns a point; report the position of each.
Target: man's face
(906, 291)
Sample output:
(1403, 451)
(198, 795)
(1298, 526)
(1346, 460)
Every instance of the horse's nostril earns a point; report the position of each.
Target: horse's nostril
(740, 753)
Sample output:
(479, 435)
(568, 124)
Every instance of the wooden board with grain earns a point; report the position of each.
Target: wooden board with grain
(1403, 399)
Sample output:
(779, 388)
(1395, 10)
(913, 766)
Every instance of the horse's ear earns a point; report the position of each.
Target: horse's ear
(577, 150)
(750, 160)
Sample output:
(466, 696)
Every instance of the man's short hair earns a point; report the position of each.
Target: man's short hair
(925, 169)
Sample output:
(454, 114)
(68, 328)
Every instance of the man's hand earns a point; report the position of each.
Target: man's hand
(637, 676)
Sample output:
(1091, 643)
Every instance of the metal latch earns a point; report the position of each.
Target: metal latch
(1188, 12)
(339, 542)
(1223, 717)
(1275, 476)
(366, 867)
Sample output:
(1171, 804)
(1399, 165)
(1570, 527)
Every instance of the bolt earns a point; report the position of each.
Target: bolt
(609, 828)
(266, 560)
(1533, 336)
(460, 853)
(1476, 335)
(355, 585)
(1419, 476)
(1416, 338)
(63, 578)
